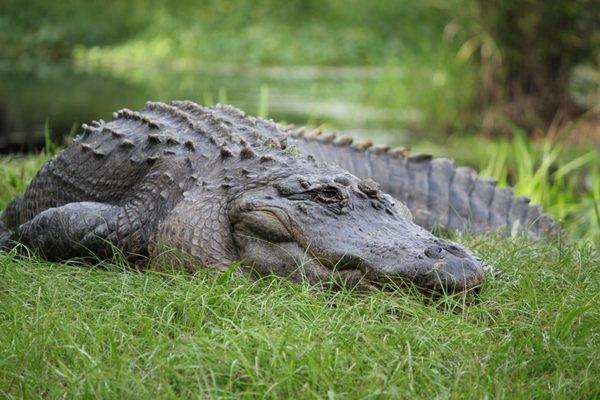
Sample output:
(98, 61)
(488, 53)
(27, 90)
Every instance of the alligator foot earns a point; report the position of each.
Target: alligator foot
(4, 237)
(75, 230)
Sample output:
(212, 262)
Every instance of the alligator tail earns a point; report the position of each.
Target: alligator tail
(439, 194)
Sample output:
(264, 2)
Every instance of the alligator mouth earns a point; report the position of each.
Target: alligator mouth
(404, 285)
(350, 272)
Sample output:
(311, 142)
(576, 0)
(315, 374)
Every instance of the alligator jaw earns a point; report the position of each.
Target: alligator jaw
(440, 271)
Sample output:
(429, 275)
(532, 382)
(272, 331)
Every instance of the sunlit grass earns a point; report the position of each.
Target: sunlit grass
(568, 189)
(69, 330)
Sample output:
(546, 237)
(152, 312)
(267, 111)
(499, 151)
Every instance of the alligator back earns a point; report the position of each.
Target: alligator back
(438, 194)
(125, 161)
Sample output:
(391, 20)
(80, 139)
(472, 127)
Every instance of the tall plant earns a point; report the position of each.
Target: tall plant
(527, 50)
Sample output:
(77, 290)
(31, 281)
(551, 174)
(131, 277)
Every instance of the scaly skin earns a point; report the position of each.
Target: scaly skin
(438, 194)
(220, 186)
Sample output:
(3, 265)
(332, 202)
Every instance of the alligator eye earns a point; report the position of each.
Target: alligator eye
(329, 194)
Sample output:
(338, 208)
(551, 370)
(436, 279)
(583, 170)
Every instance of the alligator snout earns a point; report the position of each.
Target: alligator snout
(438, 266)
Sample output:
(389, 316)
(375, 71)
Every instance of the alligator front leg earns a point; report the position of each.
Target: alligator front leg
(81, 230)
(4, 236)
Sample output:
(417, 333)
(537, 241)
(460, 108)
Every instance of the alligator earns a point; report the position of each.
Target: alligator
(219, 186)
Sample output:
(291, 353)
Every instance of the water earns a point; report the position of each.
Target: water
(63, 97)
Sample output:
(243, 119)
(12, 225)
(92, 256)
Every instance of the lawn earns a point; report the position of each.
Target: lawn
(71, 330)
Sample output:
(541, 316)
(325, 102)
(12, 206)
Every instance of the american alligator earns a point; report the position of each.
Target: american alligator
(221, 186)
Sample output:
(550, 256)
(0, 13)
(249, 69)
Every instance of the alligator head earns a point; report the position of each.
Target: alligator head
(342, 229)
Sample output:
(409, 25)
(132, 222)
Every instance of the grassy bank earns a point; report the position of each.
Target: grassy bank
(73, 331)
(68, 330)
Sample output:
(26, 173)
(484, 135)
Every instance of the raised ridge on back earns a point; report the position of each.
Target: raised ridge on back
(438, 194)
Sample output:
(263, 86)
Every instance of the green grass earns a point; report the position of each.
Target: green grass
(75, 331)
(71, 330)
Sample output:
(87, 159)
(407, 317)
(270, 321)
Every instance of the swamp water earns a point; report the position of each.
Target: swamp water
(63, 97)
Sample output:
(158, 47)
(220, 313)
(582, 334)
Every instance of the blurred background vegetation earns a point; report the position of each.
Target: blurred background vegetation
(511, 88)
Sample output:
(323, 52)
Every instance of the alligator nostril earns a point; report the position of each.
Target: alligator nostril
(434, 252)
(457, 251)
